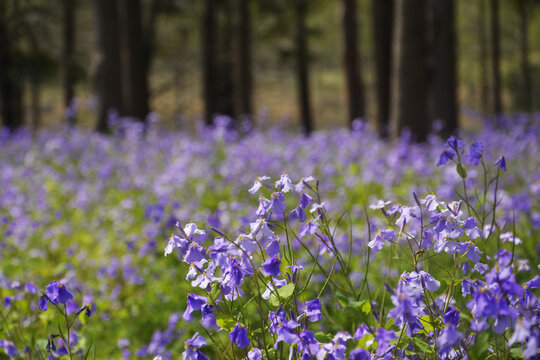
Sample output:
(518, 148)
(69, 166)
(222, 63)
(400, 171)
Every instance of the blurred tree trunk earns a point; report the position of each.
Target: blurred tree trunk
(302, 65)
(149, 38)
(11, 91)
(409, 103)
(353, 76)
(224, 81)
(68, 43)
(495, 55)
(108, 74)
(243, 98)
(524, 50)
(35, 99)
(484, 63)
(444, 97)
(133, 58)
(383, 13)
(208, 60)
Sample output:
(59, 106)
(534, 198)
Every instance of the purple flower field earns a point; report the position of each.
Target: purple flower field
(269, 245)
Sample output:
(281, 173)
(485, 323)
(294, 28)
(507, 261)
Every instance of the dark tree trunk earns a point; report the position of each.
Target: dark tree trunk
(243, 101)
(68, 34)
(353, 76)
(383, 13)
(133, 59)
(302, 66)
(149, 35)
(224, 84)
(108, 77)
(524, 50)
(444, 97)
(208, 61)
(409, 84)
(495, 57)
(484, 63)
(11, 91)
(35, 93)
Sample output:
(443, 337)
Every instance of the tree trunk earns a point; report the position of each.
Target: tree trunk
(484, 63)
(409, 70)
(524, 50)
(208, 60)
(225, 88)
(444, 103)
(133, 58)
(495, 55)
(108, 77)
(243, 98)
(68, 34)
(302, 66)
(383, 12)
(149, 35)
(353, 76)
(11, 91)
(35, 93)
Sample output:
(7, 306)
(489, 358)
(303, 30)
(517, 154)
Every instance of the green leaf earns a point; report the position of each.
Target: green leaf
(322, 337)
(226, 323)
(479, 350)
(362, 343)
(342, 299)
(429, 324)
(461, 171)
(421, 345)
(516, 353)
(284, 292)
(366, 308)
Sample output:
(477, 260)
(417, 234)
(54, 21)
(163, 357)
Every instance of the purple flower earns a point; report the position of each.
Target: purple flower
(271, 266)
(380, 204)
(361, 331)
(176, 242)
(192, 347)
(43, 305)
(194, 253)
(278, 203)
(455, 144)
(471, 228)
(7, 301)
(378, 242)
(257, 184)
(475, 153)
(383, 338)
(451, 316)
(63, 294)
(305, 200)
(264, 206)
(501, 162)
(312, 310)
(255, 354)
(299, 213)
(360, 354)
(208, 317)
(445, 157)
(534, 283)
(308, 345)
(56, 293)
(309, 228)
(284, 183)
(194, 303)
(448, 338)
(30, 288)
(9, 348)
(239, 336)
